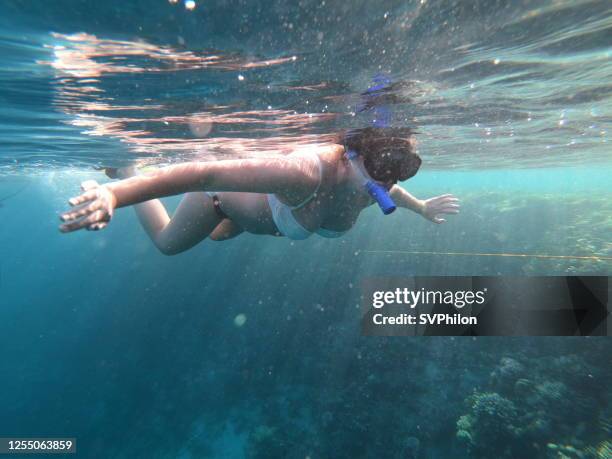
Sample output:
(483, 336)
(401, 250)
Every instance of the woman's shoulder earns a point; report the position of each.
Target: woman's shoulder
(318, 159)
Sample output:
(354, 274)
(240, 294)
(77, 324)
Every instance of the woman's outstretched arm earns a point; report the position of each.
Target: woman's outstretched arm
(270, 175)
(404, 199)
(428, 208)
(289, 177)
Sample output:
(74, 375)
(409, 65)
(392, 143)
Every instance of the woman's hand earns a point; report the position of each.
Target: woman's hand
(94, 208)
(445, 204)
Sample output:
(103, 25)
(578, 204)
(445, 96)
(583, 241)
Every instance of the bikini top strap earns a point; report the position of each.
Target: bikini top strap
(314, 193)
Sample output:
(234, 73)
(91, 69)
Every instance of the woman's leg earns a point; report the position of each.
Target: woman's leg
(225, 230)
(194, 219)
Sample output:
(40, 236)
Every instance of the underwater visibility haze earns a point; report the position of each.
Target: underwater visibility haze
(251, 348)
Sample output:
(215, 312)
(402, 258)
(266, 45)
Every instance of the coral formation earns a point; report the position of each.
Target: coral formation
(541, 413)
(491, 425)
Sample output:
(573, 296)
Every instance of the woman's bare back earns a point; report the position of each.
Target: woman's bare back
(328, 207)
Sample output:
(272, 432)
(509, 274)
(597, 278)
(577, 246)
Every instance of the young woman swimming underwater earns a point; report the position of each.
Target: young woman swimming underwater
(319, 191)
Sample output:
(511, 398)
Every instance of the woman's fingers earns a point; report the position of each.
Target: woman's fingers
(441, 208)
(72, 226)
(444, 202)
(449, 209)
(96, 226)
(75, 212)
(81, 211)
(91, 210)
(96, 217)
(87, 196)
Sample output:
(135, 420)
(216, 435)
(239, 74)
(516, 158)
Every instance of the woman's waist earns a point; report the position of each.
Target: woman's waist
(249, 210)
(255, 213)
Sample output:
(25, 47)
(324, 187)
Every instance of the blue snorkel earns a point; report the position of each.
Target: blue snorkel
(382, 118)
(378, 192)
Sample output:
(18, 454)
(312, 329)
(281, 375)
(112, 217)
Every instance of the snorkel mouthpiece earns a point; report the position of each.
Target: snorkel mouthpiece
(378, 192)
(381, 196)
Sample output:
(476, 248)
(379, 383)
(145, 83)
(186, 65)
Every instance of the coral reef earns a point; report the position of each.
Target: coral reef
(541, 413)
(491, 425)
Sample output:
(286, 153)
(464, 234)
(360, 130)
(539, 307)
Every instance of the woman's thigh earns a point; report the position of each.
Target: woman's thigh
(227, 229)
(194, 219)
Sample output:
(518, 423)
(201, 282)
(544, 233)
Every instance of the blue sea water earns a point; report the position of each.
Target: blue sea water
(137, 354)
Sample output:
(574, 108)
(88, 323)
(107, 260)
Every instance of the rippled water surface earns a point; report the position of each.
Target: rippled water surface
(486, 83)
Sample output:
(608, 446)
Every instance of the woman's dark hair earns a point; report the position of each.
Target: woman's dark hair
(389, 154)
